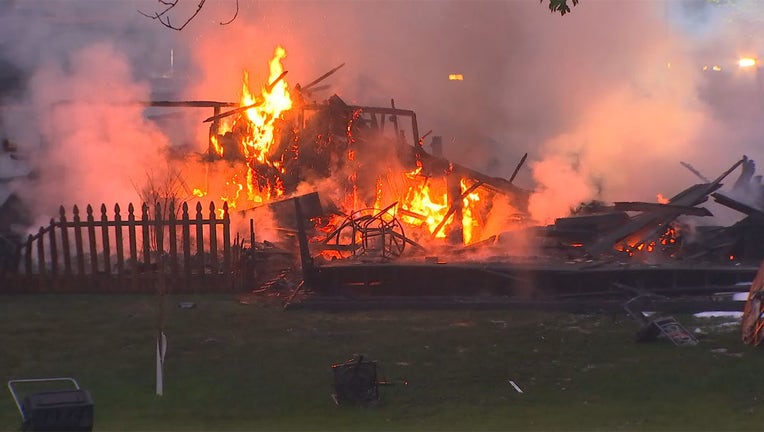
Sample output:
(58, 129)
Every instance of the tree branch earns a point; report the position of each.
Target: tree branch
(234, 15)
(164, 18)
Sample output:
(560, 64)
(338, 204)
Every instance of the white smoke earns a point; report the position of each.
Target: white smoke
(97, 146)
(78, 121)
(607, 100)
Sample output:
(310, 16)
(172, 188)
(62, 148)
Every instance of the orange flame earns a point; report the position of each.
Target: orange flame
(269, 107)
(469, 222)
(255, 130)
(216, 145)
(432, 206)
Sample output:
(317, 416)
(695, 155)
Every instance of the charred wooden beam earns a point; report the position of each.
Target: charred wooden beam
(190, 104)
(518, 195)
(646, 225)
(411, 214)
(737, 205)
(259, 101)
(283, 209)
(321, 78)
(453, 209)
(661, 208)
(517, 168)
(602, 221)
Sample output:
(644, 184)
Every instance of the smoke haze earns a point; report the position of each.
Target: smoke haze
(607, 100)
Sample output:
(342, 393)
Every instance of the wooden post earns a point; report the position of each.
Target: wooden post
(132, 241)
(105, 240)
(119, 245)
(172, 229)
(53, 255)
(41, 252)
(200, 238)
(213, 239)
(227, 244)
(65, 242)
(159, 235)
(186, 228)
(79, 250)
(146, 234)
(53, 248)
(92, 240)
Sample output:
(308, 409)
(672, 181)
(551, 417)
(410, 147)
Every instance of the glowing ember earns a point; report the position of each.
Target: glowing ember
(418, 170)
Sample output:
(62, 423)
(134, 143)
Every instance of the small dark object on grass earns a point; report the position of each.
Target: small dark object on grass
(355, 381)
(186, 305)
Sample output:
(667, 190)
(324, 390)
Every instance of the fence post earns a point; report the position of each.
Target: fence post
(131, 239)
(119, 242)
(92, 240)
(41, 252)
(226, 240)
(159, 235)
(53, 248)
(200, 238)
(78, 241)
(105, 239)
(213, 239)
(186, 227)
(146, 228)
(172, 238)
(65, 242)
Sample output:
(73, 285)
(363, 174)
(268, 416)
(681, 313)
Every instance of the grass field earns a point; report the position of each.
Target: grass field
(233, 366)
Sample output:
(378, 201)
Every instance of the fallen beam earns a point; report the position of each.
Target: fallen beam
(646, 225)
(661, 208)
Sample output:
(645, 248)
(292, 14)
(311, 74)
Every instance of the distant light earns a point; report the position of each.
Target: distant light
(716, 68)
(746, 62)
(455, 77)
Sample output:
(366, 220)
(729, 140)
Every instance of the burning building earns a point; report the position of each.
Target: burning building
(378, 192)
(360, 159)
(384, 188)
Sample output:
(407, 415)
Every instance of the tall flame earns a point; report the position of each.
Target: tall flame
(431, 205)
(469, 220)
(270, 105)
(256, 132)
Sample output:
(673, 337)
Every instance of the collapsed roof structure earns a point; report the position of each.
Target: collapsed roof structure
(371, 209)
(384, 216)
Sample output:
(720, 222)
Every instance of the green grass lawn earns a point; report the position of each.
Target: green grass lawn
(232, 366)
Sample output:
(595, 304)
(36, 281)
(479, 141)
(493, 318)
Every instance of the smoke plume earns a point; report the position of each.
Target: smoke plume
(607, 100)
